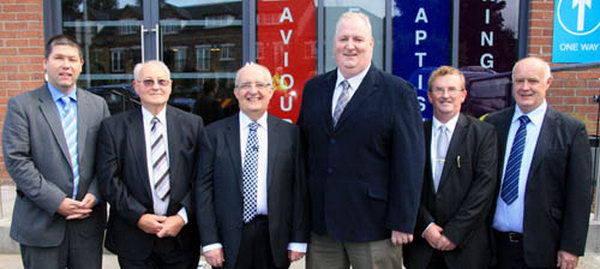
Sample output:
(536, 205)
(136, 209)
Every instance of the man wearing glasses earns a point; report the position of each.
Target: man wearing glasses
(459, 182)
(251, 196)
(146, 163)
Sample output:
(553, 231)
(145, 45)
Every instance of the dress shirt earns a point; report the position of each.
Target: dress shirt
(354, 82)
(451, 125)
(56, 96)
(261, 193)
(509, 218)
(160, 206)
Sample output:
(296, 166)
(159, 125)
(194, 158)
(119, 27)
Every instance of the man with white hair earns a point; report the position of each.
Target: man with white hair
(544, 194)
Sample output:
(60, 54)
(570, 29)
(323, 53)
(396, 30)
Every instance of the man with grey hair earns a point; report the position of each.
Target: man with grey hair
(250, 193)
(544, 194)
(366, 156)
(147, 162)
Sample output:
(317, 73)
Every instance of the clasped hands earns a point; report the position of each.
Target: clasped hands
(73, 209)
(436, 239)
(161, 226)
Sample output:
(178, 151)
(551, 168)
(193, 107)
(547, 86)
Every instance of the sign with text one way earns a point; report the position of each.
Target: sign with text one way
(576, 37)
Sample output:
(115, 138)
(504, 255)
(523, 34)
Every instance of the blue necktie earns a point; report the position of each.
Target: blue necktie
(250, 174)
(510, 186)
(68, 117)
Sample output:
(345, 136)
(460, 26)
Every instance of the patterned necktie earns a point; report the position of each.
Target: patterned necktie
(510, 186)
(342, 101)
(250, 174)
(441, 148)
(160, 162)
(69, 123)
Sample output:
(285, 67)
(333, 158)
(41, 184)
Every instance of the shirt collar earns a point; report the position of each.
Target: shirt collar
(147, 116)
(245, 120)
(451, 124)
(536, 116)
(56, 94)
(353, 81)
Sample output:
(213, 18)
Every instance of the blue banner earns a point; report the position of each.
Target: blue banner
(422, 42)
(576, 35)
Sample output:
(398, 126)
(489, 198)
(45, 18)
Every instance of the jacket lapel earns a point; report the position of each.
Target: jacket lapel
(82, 123)
(50, 113)
(273, 142)
(174, 139)
(327, 100)
(427, 128)
(503, 128)
(368, 86)
(543, 143)
(232, 138)
(456, 142)
(138, 147)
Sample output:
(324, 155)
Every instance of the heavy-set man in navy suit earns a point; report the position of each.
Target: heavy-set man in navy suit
(365, 156)
(147, 163)
(251, 193)
(459, 183)
(49, 144)
(543, 203)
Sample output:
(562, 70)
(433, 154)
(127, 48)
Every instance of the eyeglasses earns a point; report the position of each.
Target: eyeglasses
(450, 91)
(150, 82)
(248, 85)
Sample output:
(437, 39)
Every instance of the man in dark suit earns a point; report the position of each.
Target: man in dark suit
(49, 143)
(147, 163)
(250, 191)
(543, 203)
(366, 155)
(459, 182)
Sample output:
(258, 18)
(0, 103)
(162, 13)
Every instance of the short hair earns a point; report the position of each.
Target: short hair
(262, 68)
(62, 40)
(445, 70)
(138, 68)
(545, 65)
(352, 16)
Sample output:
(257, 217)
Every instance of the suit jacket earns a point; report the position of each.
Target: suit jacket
(124, 180)
(219, 189)
(37, 158)
(364, 174)
(558, 192)
(463, 200)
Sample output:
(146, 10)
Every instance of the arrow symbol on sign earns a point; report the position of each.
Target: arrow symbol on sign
(580, 4)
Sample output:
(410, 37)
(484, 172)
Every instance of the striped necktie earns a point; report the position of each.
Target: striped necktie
(341, 102)
(160, 162)
(68, 117)
(510, 186)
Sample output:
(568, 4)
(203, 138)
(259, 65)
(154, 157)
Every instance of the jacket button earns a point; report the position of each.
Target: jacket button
(332, 141)
(329, 170)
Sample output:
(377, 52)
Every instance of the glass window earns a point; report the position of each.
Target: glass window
(203, 57)
(116, 60)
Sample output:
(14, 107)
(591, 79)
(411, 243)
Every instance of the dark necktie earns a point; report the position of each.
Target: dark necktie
(510, 186)
(250, 174)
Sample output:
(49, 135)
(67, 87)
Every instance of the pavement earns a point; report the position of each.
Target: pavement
(10, 258)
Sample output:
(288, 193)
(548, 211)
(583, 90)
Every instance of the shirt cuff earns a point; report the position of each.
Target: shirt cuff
(423, 234)
(210, 247)
(183, 214)
(297, 246)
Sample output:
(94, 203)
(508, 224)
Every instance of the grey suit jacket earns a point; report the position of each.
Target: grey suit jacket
(37, 158)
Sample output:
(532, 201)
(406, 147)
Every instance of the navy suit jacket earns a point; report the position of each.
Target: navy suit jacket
(219, 189)
(558, 192)
(464, 198)
(364, 174)
(124, 180)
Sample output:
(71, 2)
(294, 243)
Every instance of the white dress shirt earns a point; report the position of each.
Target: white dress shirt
(160, 206)
(354, 82)
(509, 218)
(263, 150)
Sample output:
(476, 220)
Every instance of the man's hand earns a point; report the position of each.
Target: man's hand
(400, 238)
(432, 234)
(151, 223)
(295, 255)
(88, 202)
(215, 257)
(72, 207)
(171, 226)
(566, 260)
(444, 244)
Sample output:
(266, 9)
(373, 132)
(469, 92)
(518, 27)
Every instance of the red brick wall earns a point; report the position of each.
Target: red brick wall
(21, 53)
(571, 91)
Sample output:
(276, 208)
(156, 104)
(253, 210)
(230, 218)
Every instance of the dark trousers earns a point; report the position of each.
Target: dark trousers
(437, 261)
(509, 251)
(255, 246)
(166, 253)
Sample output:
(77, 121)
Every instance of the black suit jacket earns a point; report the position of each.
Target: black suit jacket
(365, 174)
(558, 193)
(124, 180)
(219, 189)
(464, 198)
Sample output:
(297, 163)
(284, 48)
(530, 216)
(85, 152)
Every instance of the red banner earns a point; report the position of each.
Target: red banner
(286, 44)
